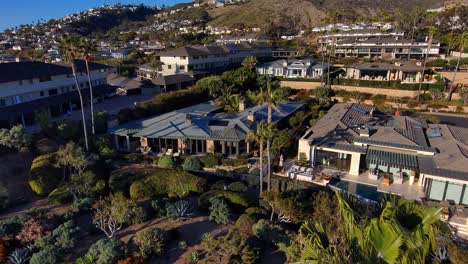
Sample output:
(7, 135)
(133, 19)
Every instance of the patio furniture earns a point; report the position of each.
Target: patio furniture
(397, 179)
(163, 151)
(169, 152)
(373, 174)
(177, 154)
(460, 210)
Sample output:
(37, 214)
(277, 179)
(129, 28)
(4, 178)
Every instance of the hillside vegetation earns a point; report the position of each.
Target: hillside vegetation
(308, 13)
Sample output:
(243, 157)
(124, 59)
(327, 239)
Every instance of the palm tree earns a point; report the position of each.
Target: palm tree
(259, 136)
(249, 62)
(332, 50)
(273, 95)
(429, 44)
(460, 43)
(88, 48)
(402, 232)
(70, 46)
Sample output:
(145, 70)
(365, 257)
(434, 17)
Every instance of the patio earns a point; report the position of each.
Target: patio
(411, 192)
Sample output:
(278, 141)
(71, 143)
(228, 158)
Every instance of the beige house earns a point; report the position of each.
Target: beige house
(387, 71)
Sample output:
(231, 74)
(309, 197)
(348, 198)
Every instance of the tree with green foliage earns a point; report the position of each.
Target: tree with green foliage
(87, 48)
(460, 43)
(15, 138)
(249, 62)
(72, 158)
(71, 47)
(110, 213)
(298, 119)
(219, 211)
(271, 94)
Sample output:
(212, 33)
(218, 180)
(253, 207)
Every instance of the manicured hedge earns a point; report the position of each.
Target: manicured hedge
(44, 176)
(192, 164)
(209, 161)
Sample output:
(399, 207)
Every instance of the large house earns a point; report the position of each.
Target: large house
(377, 44)
(210, 58)
(198, 129)
(405, 71)
(305, 68)
(28, 87)
(403, 154)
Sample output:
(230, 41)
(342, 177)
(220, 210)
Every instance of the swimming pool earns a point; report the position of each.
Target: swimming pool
(367, 191)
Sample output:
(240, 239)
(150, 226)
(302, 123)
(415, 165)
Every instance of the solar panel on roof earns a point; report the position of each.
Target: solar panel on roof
(362, 111)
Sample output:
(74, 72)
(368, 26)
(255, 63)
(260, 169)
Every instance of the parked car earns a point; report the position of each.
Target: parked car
(450, 68)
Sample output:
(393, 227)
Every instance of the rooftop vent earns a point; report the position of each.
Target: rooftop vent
(364, 132)
(251, 116)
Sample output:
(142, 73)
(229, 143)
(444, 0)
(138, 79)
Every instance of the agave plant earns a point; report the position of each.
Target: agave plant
(20, 256)
(179, 209)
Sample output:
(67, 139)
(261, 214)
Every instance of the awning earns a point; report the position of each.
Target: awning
(392, 159)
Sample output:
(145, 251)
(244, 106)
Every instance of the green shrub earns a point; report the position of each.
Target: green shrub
(137, 215)
(151, 241)
(234, 162)
(425, 97)
(45, 256)
(269, 233)
(63, 237)
(134, 157)
(12, 225)
(192, 164)
(242, 170)
(107, 251)
(219, 211)
(245, 222)
(46, 146)
(166, 162)
(157, 182)
(234, 198)
(159, 207)
(44, 176)
(256, 212)
(219, 186)
(60, 195)
(237, 187)
(437, 63)
(140, 190)
(379, 99)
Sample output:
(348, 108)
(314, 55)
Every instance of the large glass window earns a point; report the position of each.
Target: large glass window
(334, 160)
(454, 192)
(437, 190)
(465, 196)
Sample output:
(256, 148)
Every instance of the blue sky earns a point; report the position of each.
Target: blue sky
(16, 12)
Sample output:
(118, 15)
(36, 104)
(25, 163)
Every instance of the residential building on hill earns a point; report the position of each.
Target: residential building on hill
(377, 44)
(250, 38)
(31, 86)
(210, 58)
(305, 68)
(398, 154)
(202, 128)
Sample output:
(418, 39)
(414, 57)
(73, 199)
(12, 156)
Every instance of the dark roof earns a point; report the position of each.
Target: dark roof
(15, 71)
(385, 66)
(173, 79)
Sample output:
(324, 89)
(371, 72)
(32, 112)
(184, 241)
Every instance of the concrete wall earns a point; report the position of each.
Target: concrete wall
(363, 89)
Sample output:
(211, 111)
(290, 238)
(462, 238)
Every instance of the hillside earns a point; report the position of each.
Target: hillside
(307, 13)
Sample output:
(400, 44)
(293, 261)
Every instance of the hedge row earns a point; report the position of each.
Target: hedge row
(234, 198)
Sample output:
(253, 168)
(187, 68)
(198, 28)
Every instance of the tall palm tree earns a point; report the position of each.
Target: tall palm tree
(272, 94)
(460, 43)
(88, 49)
(332, 50)
(429, 45)
(259, 136)
(249, 62)
(70, 46)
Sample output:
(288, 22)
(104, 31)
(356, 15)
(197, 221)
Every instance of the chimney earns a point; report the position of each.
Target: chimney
(251, 116)
(241, 105)
(188, 119)
(364, 132)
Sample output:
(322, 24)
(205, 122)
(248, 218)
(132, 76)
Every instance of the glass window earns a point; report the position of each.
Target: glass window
(437, 190)
(454, 192)
(465, 197)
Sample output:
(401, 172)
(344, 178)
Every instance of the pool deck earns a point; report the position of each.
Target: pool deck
(411, 192)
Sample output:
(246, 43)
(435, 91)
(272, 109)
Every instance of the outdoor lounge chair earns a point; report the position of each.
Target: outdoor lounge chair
(169, 152)
(163, 151)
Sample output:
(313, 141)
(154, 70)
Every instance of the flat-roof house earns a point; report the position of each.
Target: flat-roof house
(172, 82)
(202, 128)
(413, 158)
(31, 86)
(406, 71)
